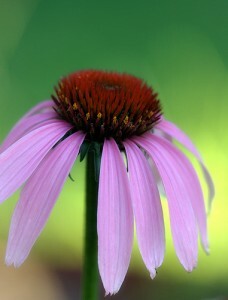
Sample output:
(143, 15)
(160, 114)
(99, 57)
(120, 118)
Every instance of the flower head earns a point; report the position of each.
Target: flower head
(123, 115)
(107, 105)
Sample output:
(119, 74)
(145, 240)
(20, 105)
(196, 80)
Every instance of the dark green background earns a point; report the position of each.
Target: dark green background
(181, 49)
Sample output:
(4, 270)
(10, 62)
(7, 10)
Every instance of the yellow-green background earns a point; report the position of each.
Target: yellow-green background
(180, 47)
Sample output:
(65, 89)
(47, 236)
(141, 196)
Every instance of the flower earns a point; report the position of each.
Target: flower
(123, 114)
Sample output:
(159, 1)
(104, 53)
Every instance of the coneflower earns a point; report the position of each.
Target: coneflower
(106, 116)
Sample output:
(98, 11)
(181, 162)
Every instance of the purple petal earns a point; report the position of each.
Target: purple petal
(41, 107)
(19, 161)
(115, 219)
(176, 133)
(45, 106)
(38, 198)
(25, 125)
(147, 208)
(194, 189)
(175, 181)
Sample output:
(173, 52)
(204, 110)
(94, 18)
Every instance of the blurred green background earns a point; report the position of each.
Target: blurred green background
(180, 47)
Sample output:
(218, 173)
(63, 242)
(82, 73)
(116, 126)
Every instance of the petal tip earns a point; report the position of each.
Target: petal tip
(9, 261)
(153, 273)
(207, 250)
(191, 267)
(205, 246)
(111, 292)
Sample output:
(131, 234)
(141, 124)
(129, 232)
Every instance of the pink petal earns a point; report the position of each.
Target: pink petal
(41, 107)
(45, 106)
(147, 208)
(19, 161)
(176, 133)
(194, 189)
(175, 181)
(24, 126)
(115, 219)
(38, 198)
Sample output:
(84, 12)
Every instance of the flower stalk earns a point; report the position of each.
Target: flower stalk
(90, 269)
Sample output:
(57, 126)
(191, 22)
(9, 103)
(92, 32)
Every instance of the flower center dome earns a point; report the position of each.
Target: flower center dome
(106, 104)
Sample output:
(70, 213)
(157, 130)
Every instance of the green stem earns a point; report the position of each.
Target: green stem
(90, 270)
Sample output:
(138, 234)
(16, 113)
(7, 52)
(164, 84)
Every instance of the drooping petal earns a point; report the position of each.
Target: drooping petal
(24, 126)
(41, 107)
(146, 207)
(19, 161)
(176, 133)
(175, 181)
(45, 106)
(194, 189)
(115, 219)
(38, 198)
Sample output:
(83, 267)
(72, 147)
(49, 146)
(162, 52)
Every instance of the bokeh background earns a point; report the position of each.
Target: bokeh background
(180, 47)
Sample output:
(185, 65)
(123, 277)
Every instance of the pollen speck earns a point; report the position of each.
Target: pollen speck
(99, 115)
(87, 116)
(126, 120)
(150, 114)
(114, 120)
